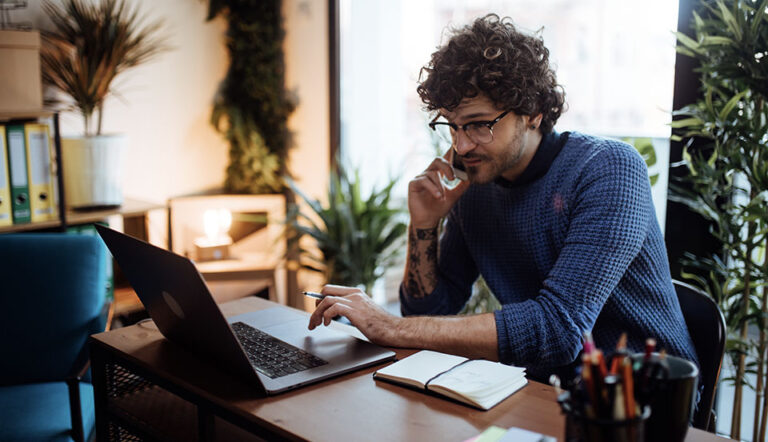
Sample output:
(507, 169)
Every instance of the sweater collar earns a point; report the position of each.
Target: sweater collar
(551, 144)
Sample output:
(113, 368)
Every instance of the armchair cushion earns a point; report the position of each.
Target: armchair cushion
(53, 288)
(35, 412)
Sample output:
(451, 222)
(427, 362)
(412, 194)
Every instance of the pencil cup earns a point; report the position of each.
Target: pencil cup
(579, 428)
(671, 394)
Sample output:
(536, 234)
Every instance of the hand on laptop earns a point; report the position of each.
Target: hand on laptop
(375, 323)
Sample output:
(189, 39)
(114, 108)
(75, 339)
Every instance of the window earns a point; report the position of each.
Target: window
(615, 59)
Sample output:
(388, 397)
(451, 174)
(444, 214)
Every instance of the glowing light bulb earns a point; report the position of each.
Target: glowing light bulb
(216, 223)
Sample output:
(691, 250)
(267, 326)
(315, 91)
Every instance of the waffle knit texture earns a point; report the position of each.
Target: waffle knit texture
(578, 249)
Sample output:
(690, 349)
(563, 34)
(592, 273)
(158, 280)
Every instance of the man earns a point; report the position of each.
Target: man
(561, 226)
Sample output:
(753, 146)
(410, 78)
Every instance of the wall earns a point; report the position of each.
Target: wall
(164, 105)
(306, 57)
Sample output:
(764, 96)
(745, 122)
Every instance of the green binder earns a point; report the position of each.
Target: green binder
(17, 166)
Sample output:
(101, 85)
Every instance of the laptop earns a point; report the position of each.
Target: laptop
(271, 348)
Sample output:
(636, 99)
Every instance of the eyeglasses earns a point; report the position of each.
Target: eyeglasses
(480, 132)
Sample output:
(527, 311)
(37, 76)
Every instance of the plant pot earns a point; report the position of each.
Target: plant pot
(93, 170)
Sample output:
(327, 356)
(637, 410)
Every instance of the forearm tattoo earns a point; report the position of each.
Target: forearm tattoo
(421, 267)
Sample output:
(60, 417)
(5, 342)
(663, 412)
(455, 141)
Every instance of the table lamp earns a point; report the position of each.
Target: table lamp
(215, 244)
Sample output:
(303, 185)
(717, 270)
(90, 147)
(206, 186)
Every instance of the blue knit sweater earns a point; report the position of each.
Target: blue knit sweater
(576, 249)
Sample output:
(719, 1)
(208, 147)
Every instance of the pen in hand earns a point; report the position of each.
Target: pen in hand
(314, 295)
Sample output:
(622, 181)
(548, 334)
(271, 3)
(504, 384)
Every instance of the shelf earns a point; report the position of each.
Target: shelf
(138, 409)
(24, 115)
(129, 208)
(247, 264)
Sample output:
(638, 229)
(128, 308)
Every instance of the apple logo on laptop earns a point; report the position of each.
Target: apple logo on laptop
(174, 306)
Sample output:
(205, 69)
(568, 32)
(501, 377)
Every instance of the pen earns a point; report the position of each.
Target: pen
(589, 344)
(619, 405)
(611, 385)
(587, 377)
(314, 295)
(620, 354)
(599, 360)
(629, 389)
(597, 375)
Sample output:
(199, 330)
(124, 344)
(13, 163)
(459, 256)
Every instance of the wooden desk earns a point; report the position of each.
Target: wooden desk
(148, 388)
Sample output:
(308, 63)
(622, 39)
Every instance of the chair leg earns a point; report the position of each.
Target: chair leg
(75, 410)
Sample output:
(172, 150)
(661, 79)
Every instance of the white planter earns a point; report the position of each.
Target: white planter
(93, 170)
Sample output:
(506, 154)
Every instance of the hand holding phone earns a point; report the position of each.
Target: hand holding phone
(432, 193)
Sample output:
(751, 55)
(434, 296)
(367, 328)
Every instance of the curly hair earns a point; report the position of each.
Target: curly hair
(492, 58)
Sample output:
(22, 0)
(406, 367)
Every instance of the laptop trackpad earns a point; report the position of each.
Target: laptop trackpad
(263, 319)
(291, 327)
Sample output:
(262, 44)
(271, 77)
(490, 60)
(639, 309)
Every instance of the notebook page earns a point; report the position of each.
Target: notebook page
(482, 382)
(420, 367)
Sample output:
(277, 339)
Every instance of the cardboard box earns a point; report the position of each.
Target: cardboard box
(20, 80)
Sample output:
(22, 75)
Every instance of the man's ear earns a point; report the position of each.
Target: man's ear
(535, 121)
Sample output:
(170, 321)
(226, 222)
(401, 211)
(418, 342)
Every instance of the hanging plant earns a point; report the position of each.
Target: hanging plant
(251, 107)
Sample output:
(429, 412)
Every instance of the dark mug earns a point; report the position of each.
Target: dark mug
(670, 393)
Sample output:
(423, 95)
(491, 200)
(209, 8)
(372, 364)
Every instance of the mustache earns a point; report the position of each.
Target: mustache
(472, 156)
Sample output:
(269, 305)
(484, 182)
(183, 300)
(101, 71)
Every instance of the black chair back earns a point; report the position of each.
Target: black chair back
(706, 326)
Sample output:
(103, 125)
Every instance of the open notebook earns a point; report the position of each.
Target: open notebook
(478, 383)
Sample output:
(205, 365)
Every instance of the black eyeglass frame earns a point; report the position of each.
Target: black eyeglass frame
(455, 127)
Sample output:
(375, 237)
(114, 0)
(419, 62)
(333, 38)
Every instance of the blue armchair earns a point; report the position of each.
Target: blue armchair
(52, 290)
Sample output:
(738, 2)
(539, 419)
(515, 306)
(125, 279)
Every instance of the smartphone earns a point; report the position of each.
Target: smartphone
(458, 167)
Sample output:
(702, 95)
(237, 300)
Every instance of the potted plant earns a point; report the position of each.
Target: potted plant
(89, 46)
(727, 182)
(358, 237)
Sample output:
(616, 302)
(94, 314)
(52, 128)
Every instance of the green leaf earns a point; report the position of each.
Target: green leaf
(714, 40)
(645, 147)
(699, 23)
(688, 42)
(708, 101)
(726, 110)
(686, 122)
(760, 16)
(689, 161)
(712, 159)
(685, 51)
(729, 19)
(313, 203)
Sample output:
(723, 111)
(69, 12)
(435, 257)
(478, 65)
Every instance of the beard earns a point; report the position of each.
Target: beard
(494, 164)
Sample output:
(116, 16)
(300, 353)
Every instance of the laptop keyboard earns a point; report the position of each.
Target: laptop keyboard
(272, 356)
